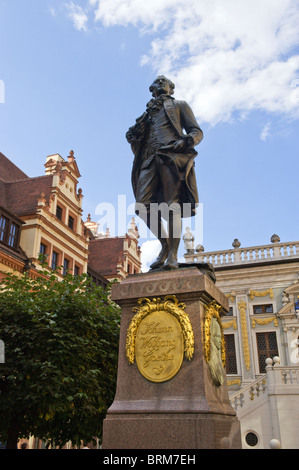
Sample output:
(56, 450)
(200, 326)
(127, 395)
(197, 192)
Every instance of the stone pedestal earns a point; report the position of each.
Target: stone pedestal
(188, 411)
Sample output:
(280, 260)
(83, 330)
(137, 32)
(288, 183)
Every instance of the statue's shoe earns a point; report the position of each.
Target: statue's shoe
(171, 262)
(161, 259)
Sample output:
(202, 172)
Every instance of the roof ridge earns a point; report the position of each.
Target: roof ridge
(28, 178)
(13, 165)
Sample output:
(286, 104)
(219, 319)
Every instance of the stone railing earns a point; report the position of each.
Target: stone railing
(276, 376)
(253, 254)
(244, 397)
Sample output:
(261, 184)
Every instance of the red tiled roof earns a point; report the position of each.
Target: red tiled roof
(20, 197)
(9, 171)
(105, 255)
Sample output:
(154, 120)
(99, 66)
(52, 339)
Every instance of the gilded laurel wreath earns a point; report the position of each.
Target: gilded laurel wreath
(171, 305)
(212, 311)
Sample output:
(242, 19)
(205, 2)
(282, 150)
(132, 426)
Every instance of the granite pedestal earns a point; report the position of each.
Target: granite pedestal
(188, 411)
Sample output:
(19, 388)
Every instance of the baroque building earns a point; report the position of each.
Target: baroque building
(261, 335)
(114, 257)
(42, 215)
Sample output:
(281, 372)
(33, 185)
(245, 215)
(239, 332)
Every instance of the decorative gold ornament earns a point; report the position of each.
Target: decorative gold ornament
(264, 293)
(212, 311)
(264, 321)
(228, 324)
(234, 382)
(159, 336)
(230, 296)
(242, 306)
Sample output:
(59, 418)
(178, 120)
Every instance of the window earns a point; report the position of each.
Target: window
(59, 212)
(76, 271)
(65, 266)
(230, 353)
(9, 229)
(267, 347)
(71, 222)
(42, 249)
(54, 263)
(251, 439)
(3, 228)
(231, 311)
(267, 308)
(13, 232)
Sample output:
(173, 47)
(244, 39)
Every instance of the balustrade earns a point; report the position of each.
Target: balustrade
(283, 375)
(253, 254)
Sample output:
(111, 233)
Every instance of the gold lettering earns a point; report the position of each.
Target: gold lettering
(154, 328)
(155, 343)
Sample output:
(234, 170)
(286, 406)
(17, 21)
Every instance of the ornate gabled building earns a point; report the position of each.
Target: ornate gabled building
(42, 215)
(262, 337)
(114, 257)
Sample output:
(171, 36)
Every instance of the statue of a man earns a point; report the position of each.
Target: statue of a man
(163, 141)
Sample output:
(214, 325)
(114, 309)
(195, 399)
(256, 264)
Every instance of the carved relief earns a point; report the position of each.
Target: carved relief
(264, 293)
(214, 342)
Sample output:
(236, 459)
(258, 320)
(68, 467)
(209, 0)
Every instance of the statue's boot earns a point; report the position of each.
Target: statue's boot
(162, 255)
(175, 228)
(172, 258)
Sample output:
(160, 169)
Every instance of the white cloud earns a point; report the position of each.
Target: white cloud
(78, 16)
(149, 252)
(265, 131)
(52, 11)
(226, 57)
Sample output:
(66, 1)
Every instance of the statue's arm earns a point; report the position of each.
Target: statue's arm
(136, 132)
(189, 123)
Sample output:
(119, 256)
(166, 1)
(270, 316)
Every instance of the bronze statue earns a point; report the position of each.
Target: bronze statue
(163, 168)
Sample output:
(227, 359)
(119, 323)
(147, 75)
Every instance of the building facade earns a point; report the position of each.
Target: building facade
(262, 337)
(42, 215)
(114, 257)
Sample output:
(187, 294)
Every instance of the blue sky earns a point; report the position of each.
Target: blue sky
(76, 76)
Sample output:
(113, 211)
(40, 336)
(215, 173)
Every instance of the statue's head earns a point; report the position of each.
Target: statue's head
(162, 86)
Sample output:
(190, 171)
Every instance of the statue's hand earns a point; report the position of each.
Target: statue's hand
(179, 145)
(130, 136)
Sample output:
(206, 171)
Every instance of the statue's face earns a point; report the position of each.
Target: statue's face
(161, 86)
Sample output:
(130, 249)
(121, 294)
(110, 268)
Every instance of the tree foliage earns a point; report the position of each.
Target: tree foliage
(61, 349)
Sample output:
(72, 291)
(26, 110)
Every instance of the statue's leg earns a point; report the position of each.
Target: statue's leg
(155, 224)
(162, 236)
(148, 211)
(174, 229)
(151, 216)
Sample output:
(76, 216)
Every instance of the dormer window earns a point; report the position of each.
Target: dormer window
(13, 234)
(9, 229)
(71, 222)
(59, 212)
(3, 228)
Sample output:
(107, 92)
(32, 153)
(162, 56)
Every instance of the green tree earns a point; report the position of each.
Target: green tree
(61, 349)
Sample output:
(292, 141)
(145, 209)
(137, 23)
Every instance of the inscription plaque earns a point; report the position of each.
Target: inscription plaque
(159, 346)
(159, 336)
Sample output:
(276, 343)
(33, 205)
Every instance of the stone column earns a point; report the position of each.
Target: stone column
(189, 408)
